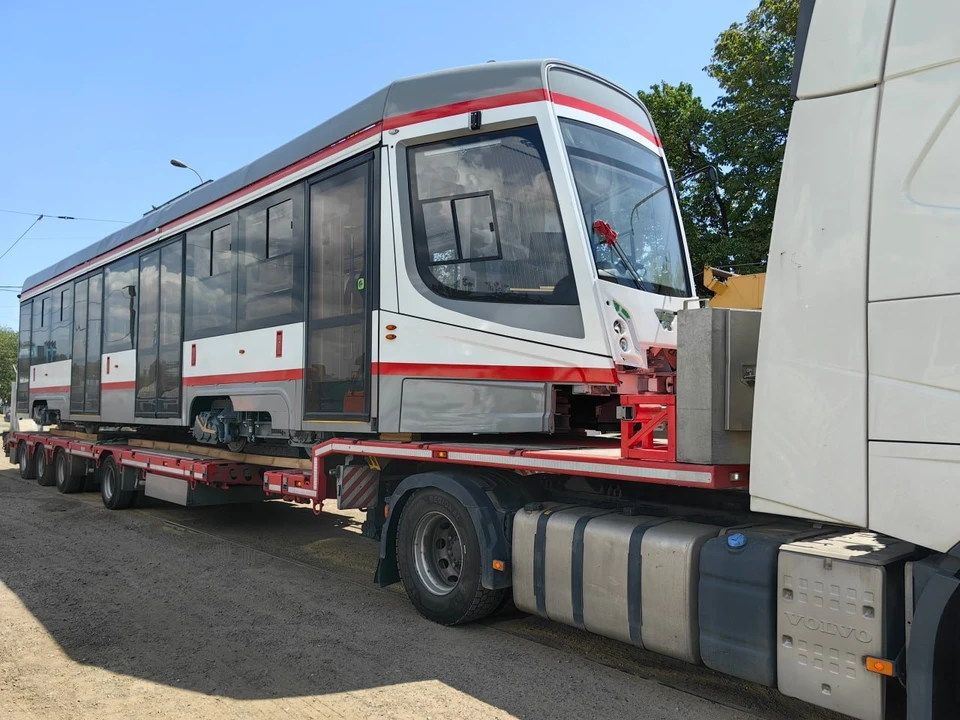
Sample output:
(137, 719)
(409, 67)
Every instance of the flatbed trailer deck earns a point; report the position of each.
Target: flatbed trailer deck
(73, 463)
(590, 457)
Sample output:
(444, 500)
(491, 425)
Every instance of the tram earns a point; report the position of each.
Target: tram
(493, 249)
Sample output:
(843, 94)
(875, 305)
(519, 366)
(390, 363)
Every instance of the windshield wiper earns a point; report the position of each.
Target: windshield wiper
(609, 235)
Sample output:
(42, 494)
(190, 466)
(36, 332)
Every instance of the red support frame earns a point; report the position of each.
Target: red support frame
(641, 415)
(589, 459)
(297, 486)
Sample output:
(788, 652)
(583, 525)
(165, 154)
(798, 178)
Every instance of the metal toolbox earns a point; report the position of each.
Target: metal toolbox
(841, 598)
(717, 351)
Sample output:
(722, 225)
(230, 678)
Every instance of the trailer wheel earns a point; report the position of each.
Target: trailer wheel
(44, 472)
(113, 497)
(62, 470)
(438, 555)
(28, 470)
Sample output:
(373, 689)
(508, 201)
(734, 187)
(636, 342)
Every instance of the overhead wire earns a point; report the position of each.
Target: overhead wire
(66, 217)
(39, 218)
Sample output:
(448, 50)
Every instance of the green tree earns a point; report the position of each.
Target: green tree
(743, 134)
(753, 64)
(683, 124)
(9, 344)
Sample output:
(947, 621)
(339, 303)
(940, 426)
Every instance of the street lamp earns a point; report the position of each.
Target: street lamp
(178, 164)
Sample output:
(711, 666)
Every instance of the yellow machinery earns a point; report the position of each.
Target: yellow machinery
(730, 290)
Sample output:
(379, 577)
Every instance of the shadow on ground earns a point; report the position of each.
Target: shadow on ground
(269, 601)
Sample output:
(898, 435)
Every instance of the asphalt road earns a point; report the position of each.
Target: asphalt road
(266, 610)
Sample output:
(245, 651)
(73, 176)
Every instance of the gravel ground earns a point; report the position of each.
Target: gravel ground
(266, 610)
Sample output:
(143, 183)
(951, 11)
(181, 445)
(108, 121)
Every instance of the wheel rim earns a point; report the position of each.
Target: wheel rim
(22, 452)
(61, 469)
(439, 553)
(41, 462)
(107, 480)
(237, 445)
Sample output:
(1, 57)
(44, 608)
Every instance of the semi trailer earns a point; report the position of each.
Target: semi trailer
(466, 306)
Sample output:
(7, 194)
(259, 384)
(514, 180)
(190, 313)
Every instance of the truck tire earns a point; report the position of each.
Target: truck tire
(28, 470)
(113, 497)
(43, 468)
(438, 555)
(62, 471)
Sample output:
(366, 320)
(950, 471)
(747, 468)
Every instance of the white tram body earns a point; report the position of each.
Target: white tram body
(424, 262)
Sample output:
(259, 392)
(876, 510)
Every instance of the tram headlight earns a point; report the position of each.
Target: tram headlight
(624, 345)
(618, 327)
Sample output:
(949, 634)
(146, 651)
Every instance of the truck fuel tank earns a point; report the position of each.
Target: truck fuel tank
(630, 577)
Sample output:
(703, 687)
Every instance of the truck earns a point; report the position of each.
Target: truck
(466, 306)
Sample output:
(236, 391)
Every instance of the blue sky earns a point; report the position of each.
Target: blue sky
(98, 96)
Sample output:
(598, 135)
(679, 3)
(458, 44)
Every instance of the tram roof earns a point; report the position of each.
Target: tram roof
(409, 95)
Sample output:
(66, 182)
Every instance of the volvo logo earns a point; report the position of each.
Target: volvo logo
(829, 628)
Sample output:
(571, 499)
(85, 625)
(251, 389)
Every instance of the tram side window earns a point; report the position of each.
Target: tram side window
(211, 278)
(61, 323)
(121, 282)
(23, 358)
(42, 322)
(486, 222)
(270, 282)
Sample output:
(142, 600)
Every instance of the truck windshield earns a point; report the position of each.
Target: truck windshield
(613, 174)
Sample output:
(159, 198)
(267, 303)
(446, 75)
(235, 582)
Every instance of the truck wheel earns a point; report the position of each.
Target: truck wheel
(439, 559)
(113, 497)
(28, 470)
(44, 471)
(66, 482)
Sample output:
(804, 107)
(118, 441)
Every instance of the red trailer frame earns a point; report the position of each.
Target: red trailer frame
(591, 457)
(215, 472)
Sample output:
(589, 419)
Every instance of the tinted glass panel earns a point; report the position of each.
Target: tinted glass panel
(41, 330)
(171, 281)
(91, 393)
(221, 241)
(121, 281)
(24, 354)
(149, 334)
(476, 229)
(625, 185)
(271, 262)
(338, 237)
(211, 280)
(280, 229)
(61, 332)
(337, 364)
(486, 223)
(461, 229)
(336, 378)
(78, 368)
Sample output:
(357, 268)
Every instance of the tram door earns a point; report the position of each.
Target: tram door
(159, 332)
(337, 382)
(85, 367)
